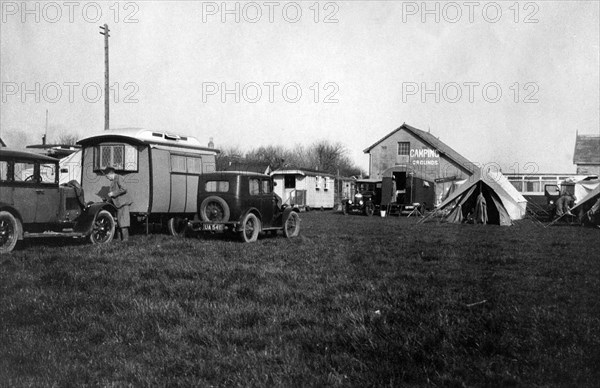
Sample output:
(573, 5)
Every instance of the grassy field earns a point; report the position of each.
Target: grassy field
(353, 301)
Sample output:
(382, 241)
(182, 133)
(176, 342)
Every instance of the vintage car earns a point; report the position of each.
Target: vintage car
(32, 204)
(244, 203)
(367, 198)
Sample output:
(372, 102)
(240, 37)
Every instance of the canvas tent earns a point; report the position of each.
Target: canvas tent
(503, 203)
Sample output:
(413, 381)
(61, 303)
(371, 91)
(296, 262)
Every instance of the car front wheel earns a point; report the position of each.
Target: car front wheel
(250, 228)
(8, 232)
(103, 229)
(291, 227)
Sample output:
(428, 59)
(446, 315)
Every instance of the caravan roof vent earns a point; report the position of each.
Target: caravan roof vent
(169, 136)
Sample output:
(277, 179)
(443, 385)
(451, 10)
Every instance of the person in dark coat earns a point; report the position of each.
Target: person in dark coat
(564, 204)
(121, 200)
(481, 216)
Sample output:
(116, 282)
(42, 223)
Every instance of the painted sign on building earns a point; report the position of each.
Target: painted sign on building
(424, 157)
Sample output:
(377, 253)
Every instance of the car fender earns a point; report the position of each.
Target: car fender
(6, 207)
(85, 221)
(251, 210)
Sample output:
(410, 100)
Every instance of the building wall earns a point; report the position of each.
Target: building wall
(588, 169)
(432, 166)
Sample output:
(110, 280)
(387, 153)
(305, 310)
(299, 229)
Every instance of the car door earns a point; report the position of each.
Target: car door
(254, 195)
(22, 190)
(268, 201)
(48, 196)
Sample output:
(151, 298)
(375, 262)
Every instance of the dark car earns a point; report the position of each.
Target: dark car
(32, 204)
(367, 198)
(244, 203)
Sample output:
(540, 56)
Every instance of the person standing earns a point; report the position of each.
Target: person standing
(121, 200)
(564, 205)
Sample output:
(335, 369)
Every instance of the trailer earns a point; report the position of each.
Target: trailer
(160, 170)
(305, 189)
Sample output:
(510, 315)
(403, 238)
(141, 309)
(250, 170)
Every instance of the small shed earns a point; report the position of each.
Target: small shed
(305, 188)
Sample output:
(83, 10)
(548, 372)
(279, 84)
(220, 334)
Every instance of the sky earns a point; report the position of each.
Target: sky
(505, 82)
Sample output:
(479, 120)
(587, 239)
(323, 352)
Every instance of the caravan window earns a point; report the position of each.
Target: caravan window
(289, 181)
(194, 165)
(3, 170)
(123, 157)
(178, 163)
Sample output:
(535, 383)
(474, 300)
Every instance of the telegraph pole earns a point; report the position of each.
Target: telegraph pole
(105, 32)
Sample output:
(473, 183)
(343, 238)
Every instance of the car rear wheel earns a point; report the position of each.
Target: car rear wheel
(103, 229)
(369, 209)
(8, 232)
(177, 226)
(214, 209)
(291, 227)
(250, 228)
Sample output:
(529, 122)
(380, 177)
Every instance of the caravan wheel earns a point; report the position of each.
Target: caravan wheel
(177, 226)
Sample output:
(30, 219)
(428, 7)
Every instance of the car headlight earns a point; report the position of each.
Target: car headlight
(551, 202)
(361, 202)
(350, 201)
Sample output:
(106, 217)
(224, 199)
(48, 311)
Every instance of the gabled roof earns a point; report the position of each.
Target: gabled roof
(434, 142)
(587, 149)
(2, 144)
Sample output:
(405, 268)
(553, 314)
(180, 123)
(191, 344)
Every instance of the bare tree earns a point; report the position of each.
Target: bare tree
(66, 138)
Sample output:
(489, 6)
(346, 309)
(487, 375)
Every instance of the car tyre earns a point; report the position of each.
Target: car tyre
(250, 228)
(291, 226)
(177, 226)
(369, 209)
(9, 227)
(103, 230)
(214, 209)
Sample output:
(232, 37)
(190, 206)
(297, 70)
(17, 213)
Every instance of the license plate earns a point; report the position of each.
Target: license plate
(213, 227)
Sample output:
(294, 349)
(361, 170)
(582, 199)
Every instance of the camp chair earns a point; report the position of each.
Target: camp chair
(416, 210)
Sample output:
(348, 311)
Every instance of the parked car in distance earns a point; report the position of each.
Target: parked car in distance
(243, 203)
(367, 198)
(32, 204)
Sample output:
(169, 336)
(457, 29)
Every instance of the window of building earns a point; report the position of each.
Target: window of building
(318, 182)
(325, 183)
(254, 186)
(216, 186)
(517, 184)
(121, 157)
(404, 148)
(266, 186)
(289, 181)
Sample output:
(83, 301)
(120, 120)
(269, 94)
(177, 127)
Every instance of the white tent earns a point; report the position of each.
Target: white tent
(505, 201)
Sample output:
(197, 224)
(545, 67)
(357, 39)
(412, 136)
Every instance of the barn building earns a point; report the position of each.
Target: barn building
(410, 155)
(587, 154)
